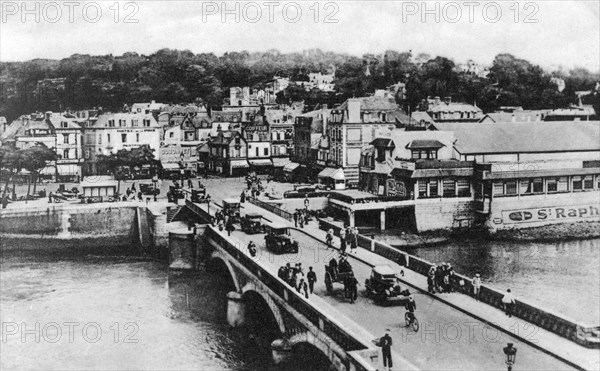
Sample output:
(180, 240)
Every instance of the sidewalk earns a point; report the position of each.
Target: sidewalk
(567, 351)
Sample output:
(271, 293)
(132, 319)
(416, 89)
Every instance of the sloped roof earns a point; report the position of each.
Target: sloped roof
(477, 138)
(373, 104)
(421, 116)
(383, 142)
(454, 107)
(424, 144)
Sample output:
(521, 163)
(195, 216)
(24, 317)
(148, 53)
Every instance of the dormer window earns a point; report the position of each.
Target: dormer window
(382, 146)
(424, 149)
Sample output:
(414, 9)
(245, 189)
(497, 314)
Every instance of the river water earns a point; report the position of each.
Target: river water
(117, 312)
(563, 277)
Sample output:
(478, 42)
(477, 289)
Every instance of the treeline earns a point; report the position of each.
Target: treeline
(175, 76)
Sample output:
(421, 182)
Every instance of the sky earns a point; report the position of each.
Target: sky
(552, 34)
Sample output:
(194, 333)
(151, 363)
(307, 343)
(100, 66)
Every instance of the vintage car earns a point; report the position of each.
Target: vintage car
(199, 195)
(278, 239)
(231, 207)
(149, 189)
(251, 223)
(384, 287)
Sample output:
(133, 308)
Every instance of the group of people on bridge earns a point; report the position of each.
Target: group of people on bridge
(442, 278)
(294, 276)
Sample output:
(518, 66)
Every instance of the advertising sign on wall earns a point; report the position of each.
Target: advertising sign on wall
(555, 213)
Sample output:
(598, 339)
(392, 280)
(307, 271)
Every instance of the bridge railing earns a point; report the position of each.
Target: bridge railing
(588, 336)
(336, 332)
(272, 208)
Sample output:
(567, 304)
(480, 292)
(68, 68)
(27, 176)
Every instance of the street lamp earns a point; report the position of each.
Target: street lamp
(511, 354)
(155, 180)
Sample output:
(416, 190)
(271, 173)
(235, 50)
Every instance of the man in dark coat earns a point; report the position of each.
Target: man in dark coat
(386, 348)
(311, 276)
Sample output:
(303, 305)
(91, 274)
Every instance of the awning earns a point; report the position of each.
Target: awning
(170, 165)
(290, 167)
(67, 169)
(239, 164)
(383, 142)
(261, 162)
(48, 170)
(281, 162)
(335, 174)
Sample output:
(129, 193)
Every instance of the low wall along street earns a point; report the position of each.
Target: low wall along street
(96, 222)
(442, 213)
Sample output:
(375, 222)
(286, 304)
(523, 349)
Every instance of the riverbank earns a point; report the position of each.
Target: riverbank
(551, 233)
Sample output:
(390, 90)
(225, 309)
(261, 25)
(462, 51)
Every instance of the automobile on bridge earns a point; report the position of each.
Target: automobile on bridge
(384, 287)
(251, 223)
(231, 207)
(278, 239)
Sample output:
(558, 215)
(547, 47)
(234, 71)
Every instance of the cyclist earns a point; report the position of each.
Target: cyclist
(411, 306)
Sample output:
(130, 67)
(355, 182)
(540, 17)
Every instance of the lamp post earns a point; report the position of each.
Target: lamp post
(155, 180)
(511, 354)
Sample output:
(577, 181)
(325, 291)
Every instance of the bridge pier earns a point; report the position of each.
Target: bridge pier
(281, 349)
(236, 309)
(182, 250)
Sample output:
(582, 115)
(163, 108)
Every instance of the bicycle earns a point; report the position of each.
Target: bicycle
(411, 321)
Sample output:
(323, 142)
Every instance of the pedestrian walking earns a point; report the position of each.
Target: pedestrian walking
(140, 196)
(4, 201)
(311, 276)
(243, 197)
(352, 286)
(354, 240)
(385, 343)
(329, 238)
(252, 249)
(476, 286)
(306, 203)
(296, 218)
(509, 303)
(303, 287)
(301, 221)
(133, 187)
(189, 182)
(221, 225)
(229, 226)
(431, 279)
(49, 198)
(342, 241)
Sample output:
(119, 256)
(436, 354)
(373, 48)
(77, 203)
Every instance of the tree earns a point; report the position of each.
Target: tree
(11, 162)
(34, 160)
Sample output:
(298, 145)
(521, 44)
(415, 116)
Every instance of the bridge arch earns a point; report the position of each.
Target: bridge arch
(306, 346)
(260, 304)
(221, 264)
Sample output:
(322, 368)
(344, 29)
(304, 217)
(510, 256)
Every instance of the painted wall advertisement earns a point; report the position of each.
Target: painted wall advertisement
(555, 213)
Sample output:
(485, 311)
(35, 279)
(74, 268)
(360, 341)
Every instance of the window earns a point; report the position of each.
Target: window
(588, 182)
(538, 185)
(511, 187)
(563, 184)
(552, 185)
(257, 152)
(171, 135)
(525, 187)
(463, 187)
(66, 138)
(111, 123)
(137, 137)
(135, 122)
(124, 138)
(432, 154)
(100, 140)
(417, 154)
(107, 138)
(422, 188)
(380, 155)
(498, 189)
(266, 152)
(433, 188)
(66, 154)
(449, 188)
(577, 183)
(122, 123)
(146, 122)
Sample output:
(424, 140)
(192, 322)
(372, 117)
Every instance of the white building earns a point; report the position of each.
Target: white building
(115, 131)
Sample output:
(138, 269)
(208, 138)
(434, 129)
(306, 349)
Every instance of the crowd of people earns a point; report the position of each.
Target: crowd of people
(223, 221)
(348, 237)
(294, 276)
(442, 279)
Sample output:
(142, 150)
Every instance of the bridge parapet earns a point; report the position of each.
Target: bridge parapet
(361, 353)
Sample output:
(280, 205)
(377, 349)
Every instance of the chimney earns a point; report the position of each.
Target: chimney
(436, 101)
(354, 110)
(152, 102)
(448, 100)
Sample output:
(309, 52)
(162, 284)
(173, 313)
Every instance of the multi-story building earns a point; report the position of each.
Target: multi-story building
(257, 135)
(147, 108)
(448, 111)
(350, 128)
(227, 154)
(57, 131)
(531, 174)
(110, 132)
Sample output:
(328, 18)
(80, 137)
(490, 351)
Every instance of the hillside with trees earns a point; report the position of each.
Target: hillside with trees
(176, 76)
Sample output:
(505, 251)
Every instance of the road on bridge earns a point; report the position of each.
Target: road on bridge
(448, 338)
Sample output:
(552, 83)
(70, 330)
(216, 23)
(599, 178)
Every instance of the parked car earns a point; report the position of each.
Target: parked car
(149, 190)
(278, 239)
(251, 223)
(384, 287)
